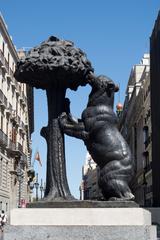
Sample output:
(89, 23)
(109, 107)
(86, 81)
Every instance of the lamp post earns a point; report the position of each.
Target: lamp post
(36, 186)
(20, 179)
(144, 188)
(31, 175)
(41, 188)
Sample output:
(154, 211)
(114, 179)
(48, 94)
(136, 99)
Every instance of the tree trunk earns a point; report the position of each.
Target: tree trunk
(56, 180)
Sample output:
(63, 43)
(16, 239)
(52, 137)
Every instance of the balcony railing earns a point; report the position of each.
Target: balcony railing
(20, 147)
(3, 138)
(11, 145)
(4, 61)
(19, 119)
(22, 125)
(15, 148)
(24, 157)
(3, 98)
(15, 118)
(148, 167)
(147, 142)
(1, 95)
(11, 72)
(10, 107)
(149, 189)
(6, 65)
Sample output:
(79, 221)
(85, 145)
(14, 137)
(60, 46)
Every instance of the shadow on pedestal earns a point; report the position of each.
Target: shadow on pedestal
(83, 204)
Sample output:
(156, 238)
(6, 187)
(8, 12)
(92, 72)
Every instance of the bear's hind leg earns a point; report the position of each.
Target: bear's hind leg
(113, 181)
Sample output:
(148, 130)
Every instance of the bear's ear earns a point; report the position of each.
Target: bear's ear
(112, 87)
(116, 88)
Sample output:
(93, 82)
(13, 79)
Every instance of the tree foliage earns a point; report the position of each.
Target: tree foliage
(54, 63)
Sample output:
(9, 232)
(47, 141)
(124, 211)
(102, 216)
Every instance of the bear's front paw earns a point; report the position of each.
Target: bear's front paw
(63, 115)
(63, 119)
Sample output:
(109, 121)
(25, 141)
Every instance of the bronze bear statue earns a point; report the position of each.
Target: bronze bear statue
(98, 129)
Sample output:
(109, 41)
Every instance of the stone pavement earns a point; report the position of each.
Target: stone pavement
(1, 236)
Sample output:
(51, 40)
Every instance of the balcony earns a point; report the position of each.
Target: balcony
(14, 117)
(3, 99)
(11, 146)
(24, 159)
(147, 142)
(9, 109)
(22, 127)
(6, 65)
(3, 138)
(148, 167)
(13, 83)
(149, 189)
(11, 72)
(20, 147)
(9, 78)
(24, 99)
(15, 149)
(18, 120)
(26, 122)
(3, 62)
(24, 102)
(18, 89)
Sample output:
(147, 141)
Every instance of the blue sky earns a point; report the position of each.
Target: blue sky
(114, 34)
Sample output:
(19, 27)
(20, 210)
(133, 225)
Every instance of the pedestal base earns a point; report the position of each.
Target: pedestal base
(80, 216)
(80, 223)
(80, 233)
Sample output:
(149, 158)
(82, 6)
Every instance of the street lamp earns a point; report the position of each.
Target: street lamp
(36, 186)
(20, 179)
(41, 187)
(144, 188)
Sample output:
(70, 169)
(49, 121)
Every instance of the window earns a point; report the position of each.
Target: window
(135, 141)
(7, 128)
(6, 174)
(1, 170)
(3, 48)
(146, 162)
(145, 133)
(14, 134)
(1, 122)
(8, 58)
(13, 66)
(16, 106)
(8, 85)
(6, 207)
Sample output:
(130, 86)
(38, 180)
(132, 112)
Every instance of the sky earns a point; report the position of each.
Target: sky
(113, 33)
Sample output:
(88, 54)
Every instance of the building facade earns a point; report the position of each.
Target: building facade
(155, 110)
(89, 189)
(16, 126)
(135, 126)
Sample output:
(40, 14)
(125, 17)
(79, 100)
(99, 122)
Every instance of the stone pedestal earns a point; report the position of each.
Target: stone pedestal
(80, 233)
(83, 223)
(80, 217)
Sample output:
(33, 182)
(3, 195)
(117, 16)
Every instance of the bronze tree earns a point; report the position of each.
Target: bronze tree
(55, 65)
